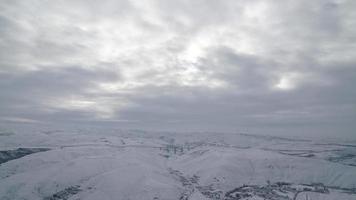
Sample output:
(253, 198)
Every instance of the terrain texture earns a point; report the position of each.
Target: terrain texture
(91, 164)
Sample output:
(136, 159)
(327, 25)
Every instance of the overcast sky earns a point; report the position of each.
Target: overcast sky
(220, 65)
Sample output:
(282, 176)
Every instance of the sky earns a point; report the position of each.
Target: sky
(285, 66)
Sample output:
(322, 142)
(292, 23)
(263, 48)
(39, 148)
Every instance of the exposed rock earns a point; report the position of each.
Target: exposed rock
(64, 194)
(8, 155)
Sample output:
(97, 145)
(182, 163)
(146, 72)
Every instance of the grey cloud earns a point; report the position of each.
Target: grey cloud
(327, 104)
(26, 94)
(203, 65)
(240, 70)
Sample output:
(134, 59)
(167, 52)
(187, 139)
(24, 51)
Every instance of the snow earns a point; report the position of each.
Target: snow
(117, 164)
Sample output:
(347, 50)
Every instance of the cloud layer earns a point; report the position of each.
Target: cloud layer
(264, 66)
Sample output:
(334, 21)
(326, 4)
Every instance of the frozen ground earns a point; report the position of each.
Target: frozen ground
(48, 163)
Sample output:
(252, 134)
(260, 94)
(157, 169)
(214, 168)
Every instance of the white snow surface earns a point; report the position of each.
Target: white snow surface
(119, 164)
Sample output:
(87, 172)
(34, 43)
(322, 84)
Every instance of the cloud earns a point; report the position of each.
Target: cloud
(48, 91)
(202, 65)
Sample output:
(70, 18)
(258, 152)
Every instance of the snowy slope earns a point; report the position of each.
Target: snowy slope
(84, 163)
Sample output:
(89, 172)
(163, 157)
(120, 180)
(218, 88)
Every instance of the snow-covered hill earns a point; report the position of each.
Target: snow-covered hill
(90, 164)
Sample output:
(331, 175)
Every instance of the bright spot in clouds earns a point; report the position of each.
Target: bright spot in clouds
(288, 81)
(285, 84)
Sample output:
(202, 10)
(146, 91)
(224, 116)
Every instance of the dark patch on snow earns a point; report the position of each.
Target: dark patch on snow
(338, 155)
(305, 155)
(6, 133)
(64, 194)
(191, 185)
(341, 157)
(8, 155)
(270, 138)
(52, 132)
(336, 144)
(276, 191)
(344, 190)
